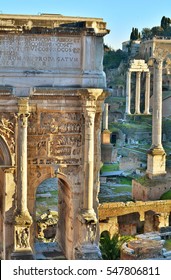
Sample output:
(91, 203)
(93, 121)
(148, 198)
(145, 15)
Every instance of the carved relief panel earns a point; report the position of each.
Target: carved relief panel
(7, 129)
(55, 138)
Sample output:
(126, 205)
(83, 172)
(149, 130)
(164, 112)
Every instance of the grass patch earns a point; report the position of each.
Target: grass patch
(167, 245)
(125, 180)
(144, 180)
(110, 167)
(121, 189)
(166, 195)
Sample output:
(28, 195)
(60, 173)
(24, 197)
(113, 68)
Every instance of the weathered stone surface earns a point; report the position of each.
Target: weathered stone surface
(52, 88)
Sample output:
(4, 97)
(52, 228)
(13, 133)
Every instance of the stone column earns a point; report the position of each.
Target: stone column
(123, 92)
(147, 94)
(128, 93)
(22, 157)
(137, 94)
(105, 117)
(156, 162)
(157, 105)
(89, 160)
(23, 219)
(87, 244)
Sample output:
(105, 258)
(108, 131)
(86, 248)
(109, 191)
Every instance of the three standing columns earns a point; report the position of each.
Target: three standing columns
(138, 66)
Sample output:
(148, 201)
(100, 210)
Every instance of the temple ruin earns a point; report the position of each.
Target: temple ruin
(156, 162)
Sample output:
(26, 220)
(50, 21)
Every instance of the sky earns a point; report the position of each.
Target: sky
(120, 15)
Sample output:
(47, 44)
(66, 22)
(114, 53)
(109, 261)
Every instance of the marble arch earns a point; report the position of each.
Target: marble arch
(52, 90)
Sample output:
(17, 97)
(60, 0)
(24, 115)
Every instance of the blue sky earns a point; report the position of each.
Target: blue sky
(120, 15)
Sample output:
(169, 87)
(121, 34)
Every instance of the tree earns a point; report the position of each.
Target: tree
(110, 246)
(165, 22)
(157, 31)
(112, 59)
(146, 33)
(135, 35)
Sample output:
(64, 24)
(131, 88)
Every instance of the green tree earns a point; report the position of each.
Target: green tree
(112, 59)
(157, 31)
(134, 34)
(110, 246)
(146, 33)
(165, 22)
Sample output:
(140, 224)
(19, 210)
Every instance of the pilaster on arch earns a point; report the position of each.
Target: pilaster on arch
(5, 151)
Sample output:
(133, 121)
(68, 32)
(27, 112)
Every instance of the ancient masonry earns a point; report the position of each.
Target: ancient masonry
(156, 162)
(52, 89)
(138, 67)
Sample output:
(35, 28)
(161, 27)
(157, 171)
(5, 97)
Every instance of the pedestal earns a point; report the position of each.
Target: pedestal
(22, 248)
(88, 252)
(156, 160)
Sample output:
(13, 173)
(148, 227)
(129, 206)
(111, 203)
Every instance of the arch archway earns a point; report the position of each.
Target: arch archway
(46, 206)
(60, 209)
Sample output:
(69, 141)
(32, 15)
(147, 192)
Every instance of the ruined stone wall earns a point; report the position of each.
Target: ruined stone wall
(147, 47)
(132, 217)
(153, 192)
(113, 209)
(166, 105)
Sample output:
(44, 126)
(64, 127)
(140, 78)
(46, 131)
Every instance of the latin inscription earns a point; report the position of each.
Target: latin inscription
(40, 52)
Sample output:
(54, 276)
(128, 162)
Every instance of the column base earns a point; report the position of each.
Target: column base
(156, 162)
(22, 224)
(88, 252)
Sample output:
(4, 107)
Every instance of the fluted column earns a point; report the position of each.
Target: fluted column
(128, 93)
(147, 94)
(137, 94)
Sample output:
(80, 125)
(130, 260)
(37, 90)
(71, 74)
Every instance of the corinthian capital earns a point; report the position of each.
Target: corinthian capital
(23, 106)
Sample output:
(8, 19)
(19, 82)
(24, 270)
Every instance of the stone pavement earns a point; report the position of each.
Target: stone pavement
(48, 251)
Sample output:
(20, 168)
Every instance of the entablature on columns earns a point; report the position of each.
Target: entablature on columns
(138, 65)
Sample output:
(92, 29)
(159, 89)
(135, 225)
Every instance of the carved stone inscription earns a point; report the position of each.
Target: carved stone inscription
(58, 138)
(40, 52)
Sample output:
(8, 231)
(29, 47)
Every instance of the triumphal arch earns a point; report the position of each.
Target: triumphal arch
(52, 88)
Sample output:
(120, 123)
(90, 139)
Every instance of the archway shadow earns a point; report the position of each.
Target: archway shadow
(46, 244)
